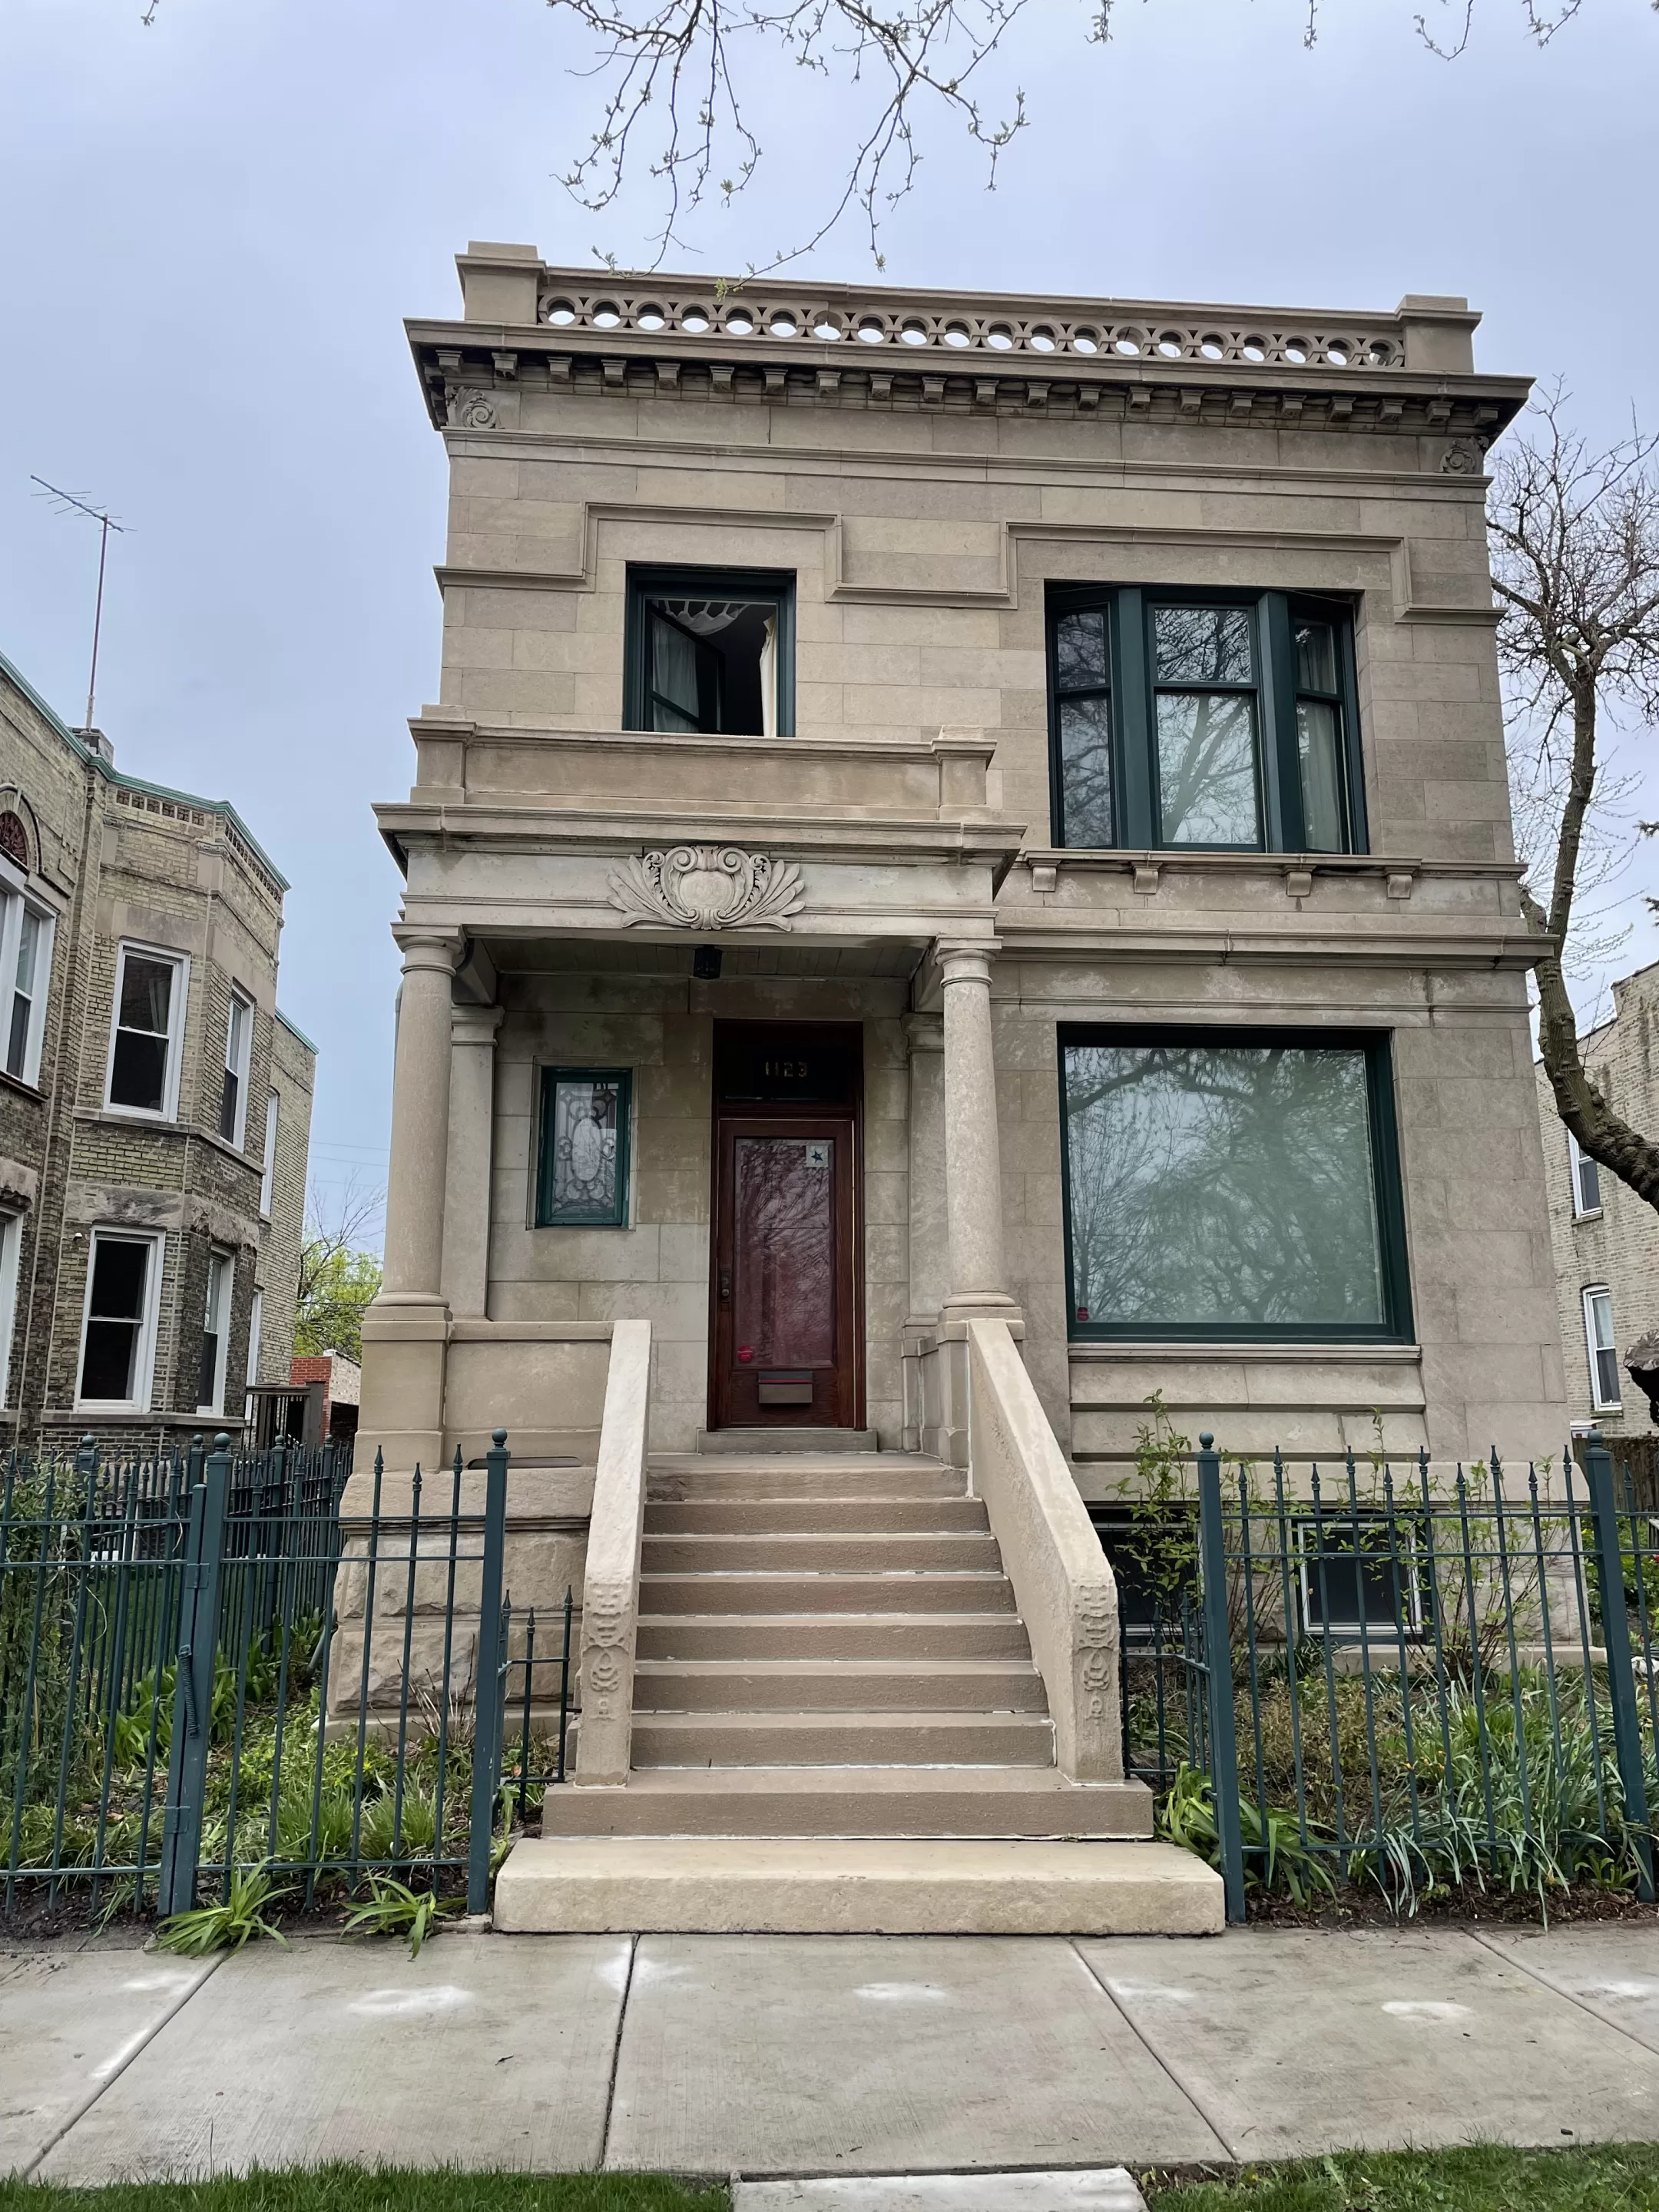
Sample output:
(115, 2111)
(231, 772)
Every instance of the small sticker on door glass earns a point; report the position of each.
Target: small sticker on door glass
(817, 1155)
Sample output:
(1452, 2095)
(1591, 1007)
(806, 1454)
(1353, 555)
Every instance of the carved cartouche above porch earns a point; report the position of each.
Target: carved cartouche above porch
(707, 887)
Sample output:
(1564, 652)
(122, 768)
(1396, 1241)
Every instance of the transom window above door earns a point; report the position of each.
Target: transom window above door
(710, 649)
(1222, 722)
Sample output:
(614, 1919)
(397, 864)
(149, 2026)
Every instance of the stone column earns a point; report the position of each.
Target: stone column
(929, 1253)
(407, 1329)
(973, 1185)
(973, 1156)
(420, 1119)
(467, 1179)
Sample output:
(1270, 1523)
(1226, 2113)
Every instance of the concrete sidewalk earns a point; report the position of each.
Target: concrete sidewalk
(823, 2055)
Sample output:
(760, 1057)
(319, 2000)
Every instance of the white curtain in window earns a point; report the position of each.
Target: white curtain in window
(768, 678)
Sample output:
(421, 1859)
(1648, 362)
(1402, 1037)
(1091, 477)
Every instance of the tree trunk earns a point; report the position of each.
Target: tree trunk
(1603, 1134)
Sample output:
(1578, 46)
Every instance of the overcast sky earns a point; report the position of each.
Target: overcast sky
(211, 228)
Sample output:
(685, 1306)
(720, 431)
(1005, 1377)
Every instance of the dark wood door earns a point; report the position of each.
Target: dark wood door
(786, 1275)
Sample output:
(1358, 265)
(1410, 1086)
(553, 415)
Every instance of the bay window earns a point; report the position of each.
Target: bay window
(147, 1032)
(118, 1328)
(216, 1332)
(1221, 722)
(232, 1097)
(25, 936)
(1231, 1185)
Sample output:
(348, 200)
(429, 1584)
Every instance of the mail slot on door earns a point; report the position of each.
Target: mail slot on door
(786, 1387)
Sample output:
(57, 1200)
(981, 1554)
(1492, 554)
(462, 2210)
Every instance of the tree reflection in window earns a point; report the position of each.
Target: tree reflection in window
(1221, 1186)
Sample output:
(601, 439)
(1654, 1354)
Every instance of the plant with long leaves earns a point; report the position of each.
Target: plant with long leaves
(238, 1918)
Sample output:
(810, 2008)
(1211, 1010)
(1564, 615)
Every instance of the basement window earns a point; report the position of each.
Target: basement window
(710, 650)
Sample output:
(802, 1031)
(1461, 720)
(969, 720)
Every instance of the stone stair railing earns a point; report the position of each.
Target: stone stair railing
(1063, 1584)
(610, 1587)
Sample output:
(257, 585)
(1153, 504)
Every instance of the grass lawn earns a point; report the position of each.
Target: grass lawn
(387, 2189)
(1609, 2178)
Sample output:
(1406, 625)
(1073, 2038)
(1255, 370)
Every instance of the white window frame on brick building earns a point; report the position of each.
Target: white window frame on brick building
(256, 1329)
(239, 1056)
(178, 1000)
(216, 1328)
(1601, 1344)
(27, 931)
(11, 1245)
(141, 1366)
(1586, 1182)
(268, 1178)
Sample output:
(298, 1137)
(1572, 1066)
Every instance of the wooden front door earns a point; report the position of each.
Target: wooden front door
(785, 1336)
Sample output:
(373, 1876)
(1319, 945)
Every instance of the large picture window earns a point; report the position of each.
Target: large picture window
(1224, 722)
(710, 649)
(1231, 1187)
(581, 1180)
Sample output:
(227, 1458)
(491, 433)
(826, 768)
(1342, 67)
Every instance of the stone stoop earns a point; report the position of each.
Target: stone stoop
(838, 1724)
(701, 1885)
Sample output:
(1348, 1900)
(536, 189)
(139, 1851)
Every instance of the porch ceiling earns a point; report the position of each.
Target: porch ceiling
(894, 959)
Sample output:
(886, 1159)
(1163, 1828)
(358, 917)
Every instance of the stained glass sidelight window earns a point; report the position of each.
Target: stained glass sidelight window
(582, 1181)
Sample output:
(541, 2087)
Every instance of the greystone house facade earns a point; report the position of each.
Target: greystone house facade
(959, 882)
(155, 1109)
(1144, 700)
(1606, 1239)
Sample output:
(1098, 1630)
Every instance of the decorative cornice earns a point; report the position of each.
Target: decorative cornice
(707, 887)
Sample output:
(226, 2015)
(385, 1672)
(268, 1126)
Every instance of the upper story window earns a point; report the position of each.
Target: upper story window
(145, 1048)
(239, 1044)
(1222, 722)
(1586, 1180)
(26, 935)
(710, 649)
(268, 1174)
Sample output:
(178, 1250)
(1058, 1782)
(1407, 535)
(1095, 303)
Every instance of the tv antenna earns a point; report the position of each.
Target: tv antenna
(68, 501)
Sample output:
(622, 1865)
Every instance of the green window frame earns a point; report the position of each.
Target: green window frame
(1148, 1218)
(1281, 678)
(647, 705)
(582, 1157)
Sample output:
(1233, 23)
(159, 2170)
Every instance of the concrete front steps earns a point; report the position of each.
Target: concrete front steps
(575, 1885)
(838, 1724)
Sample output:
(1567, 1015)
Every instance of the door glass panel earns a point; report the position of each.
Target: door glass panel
(784, 1292)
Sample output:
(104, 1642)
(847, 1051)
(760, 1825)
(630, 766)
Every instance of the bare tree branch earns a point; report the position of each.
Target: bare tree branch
(1575, 549)
(672, 100)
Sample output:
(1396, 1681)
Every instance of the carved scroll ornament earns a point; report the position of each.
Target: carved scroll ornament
(707, 887)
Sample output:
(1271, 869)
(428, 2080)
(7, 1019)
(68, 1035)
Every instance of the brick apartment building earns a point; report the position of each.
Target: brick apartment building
(1606, 1240)
(155, 1107)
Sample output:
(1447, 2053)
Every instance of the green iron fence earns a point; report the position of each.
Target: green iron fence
(1366, 1672)
(216, 1660)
